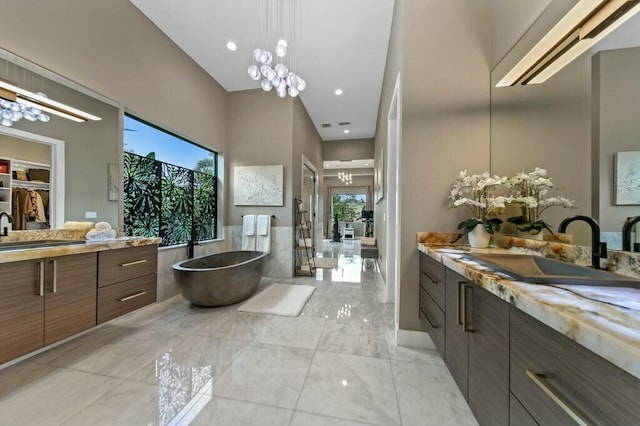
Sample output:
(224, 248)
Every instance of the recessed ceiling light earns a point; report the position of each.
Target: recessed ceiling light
(339, 92)
(366, 164)
(346, 131)
(232, 46)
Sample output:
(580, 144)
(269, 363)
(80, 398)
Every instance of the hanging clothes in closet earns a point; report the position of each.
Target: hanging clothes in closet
(28, 206)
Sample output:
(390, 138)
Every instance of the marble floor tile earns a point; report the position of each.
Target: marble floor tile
(355, 338)
(129, 355)
(306, 419)
(427, 394)
(265, 374)
(190, 360)
(227, 412)
(236, 325)
(84, 346)
(22, 375)
(350, 387)
(427, 356)
(52, 400)
(302, 332)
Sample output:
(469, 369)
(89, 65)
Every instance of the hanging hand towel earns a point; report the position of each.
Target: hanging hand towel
(263, 240)
(249, 232)
(264, 223)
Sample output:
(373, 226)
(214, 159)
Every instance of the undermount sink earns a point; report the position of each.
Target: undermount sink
(24, 245)
(540, 270)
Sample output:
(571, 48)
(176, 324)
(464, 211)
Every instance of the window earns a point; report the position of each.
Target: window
(348, 207)
(170, 186)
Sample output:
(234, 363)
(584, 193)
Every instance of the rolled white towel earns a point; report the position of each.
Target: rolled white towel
(95, 235)
(102, 226)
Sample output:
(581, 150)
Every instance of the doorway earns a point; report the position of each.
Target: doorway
(22, 159)
(309, 195)
(393, 225)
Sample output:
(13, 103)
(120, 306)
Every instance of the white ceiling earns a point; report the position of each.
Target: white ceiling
(348, 164)
(342, 44)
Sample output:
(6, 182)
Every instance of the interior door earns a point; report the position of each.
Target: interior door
(309, 196)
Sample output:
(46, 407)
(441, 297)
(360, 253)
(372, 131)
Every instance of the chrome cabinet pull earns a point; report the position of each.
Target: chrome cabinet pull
(41, 289)
(540, 380)
(433, 324)
(137, 262)
(460, 297)
(54, 286)
(133, 296)
(465, 323)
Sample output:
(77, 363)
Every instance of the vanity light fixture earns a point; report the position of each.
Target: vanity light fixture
(588, 22)
(29, 105)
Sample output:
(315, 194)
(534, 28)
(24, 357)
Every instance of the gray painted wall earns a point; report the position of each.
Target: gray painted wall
(351, 149)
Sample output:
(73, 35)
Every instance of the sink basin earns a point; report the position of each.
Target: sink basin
(24, 245)
(540, 270)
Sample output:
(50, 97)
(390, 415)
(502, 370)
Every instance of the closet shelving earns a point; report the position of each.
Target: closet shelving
(5, 185)
(27, 166)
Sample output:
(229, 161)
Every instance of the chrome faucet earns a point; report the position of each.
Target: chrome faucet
(5, 230)
(598, 249)
(626, 233)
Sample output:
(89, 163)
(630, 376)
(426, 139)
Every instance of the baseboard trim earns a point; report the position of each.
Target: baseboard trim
(414, 339)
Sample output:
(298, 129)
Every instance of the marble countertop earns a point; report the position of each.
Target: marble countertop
(603, 320)
(7, 256)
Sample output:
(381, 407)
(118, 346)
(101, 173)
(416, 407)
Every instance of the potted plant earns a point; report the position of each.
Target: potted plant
(477, 192)
(530, 194)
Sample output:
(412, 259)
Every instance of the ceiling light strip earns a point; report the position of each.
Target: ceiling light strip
(567, 25)
(52, 105)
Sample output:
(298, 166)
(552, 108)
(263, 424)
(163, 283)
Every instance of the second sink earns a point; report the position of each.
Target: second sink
(536, 269)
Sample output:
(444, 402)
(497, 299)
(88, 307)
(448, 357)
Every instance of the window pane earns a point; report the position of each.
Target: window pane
(348, 207)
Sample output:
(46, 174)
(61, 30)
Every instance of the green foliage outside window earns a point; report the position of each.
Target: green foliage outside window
(348, 207)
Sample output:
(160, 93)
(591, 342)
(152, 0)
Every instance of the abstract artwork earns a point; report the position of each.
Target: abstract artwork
(627, 171)
(258, 186)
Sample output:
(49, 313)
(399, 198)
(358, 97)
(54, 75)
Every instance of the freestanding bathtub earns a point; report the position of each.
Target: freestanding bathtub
(220, 279)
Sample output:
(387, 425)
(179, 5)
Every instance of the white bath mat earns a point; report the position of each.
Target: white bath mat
(279, 299)
(325, 262)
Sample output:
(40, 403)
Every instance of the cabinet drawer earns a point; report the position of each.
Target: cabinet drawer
(518, 416)
(118, 299)
(588, 385)
(432, 275)
(115, 266)
(433, 319)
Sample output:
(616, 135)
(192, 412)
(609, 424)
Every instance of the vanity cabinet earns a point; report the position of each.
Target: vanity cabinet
(477, 348)
(559, 382)
(21, 308)
(127, 280)
(46, 300)
(432, 282)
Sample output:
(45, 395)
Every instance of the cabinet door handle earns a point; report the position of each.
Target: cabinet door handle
(433, 280)
(133, 296)
(41, 289)
(137, 262)
(458, 302)
(541, 381)
(433, 324)
(54, 285)
(465, 307)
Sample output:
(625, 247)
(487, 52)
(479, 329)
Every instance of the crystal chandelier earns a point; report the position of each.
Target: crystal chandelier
(11, 112)
(346, 178)
(276, 76)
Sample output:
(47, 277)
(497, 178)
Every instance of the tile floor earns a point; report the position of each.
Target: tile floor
(174, 364)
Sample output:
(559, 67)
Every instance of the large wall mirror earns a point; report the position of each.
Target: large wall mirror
(573, 124)
(64, 161)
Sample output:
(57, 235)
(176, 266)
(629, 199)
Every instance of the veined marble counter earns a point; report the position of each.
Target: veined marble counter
(603, 320)
(15, 255)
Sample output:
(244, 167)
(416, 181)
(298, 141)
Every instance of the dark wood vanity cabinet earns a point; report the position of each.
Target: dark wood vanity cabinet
(432, 284)
(46, 300)
(559, 382)
(21, 308)
(127, 280)
(477, 348)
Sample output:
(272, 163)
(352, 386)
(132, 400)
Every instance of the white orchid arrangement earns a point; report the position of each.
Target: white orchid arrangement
(530, 193)
(477, 192)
